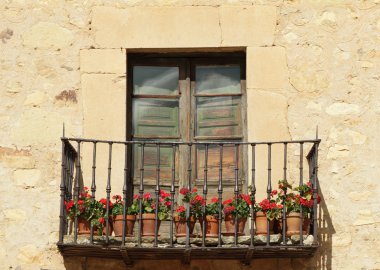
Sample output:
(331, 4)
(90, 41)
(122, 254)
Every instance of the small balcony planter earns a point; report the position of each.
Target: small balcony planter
(211, 226)
(268, 210)
(297, 202)
(181, 225)
(84, 227)
(236, 209)
(83, 209)
(148, 221)
(149, 208)
(129, 225)
(261, 223)
(230, 225)
(117, 213)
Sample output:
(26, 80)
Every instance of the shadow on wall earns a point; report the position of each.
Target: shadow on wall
(322, 260)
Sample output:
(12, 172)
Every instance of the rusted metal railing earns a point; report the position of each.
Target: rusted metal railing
(72, 184)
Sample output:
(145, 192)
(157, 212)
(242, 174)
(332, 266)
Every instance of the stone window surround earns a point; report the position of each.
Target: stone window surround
(103, 69)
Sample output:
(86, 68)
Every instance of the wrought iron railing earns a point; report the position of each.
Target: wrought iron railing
(72, 184)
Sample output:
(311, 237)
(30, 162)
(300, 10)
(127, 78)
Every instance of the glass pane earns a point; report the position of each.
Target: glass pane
(213, 162)
(218, 116)
(150, 162)
(155, 117)
(217, 79)
(150, 80)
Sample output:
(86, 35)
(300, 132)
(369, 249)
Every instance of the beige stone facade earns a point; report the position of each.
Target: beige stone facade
(308, 63)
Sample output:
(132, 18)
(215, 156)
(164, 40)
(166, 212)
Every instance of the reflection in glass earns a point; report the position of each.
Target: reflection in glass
(217, 79)
(155, 117)
(218, 116)
(151, 80)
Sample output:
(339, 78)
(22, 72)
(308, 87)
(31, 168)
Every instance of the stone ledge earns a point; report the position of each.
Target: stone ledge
(164, 240)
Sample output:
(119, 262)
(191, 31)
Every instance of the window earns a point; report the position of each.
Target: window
(186, 98)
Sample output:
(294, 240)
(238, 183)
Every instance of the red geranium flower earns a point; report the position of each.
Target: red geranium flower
(184, 191)
(214, 200)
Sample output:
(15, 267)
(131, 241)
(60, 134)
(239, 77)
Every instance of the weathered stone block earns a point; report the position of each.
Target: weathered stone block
(341, 108)
(103, 61)
(156, 27)
(248, 25)
(267, 68)
(14, 158)
(14, 214)
(266, 121)
(46, 35)
(26, 178)
(104, 113)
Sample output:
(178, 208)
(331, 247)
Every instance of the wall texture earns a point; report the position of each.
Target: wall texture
(308, 63)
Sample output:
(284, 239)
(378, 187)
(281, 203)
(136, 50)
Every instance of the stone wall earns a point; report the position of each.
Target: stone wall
(308, 63)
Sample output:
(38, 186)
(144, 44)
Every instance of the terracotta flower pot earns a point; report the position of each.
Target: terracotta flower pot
(129, 224)
(212, 226)
(181, 224)
(147, 224)
(84, 226)
(293, 223)
(230, 225)
(261, 223)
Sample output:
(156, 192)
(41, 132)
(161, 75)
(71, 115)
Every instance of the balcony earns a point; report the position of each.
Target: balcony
(200, 164)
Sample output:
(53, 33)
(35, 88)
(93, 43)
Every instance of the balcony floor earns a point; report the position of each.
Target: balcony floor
(243, 252)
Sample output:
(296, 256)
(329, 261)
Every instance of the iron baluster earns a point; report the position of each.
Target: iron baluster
(125, 192)
(76, 192)
(236, 190)
(220, 194)
(285, 194)
(301, 192)
(157, 190)
(108, 190)
(253, 193)
(172, 193)
(141, 191)
(204, 196)
(269, 186)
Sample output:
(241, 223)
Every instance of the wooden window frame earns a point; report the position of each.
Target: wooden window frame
(187, 95)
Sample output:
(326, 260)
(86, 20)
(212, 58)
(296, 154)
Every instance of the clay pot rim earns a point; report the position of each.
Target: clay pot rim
(229, 217)
(177, 218)
(127, 217)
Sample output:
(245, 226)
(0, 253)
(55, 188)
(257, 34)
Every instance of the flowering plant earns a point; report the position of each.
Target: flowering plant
(238, 206)
(82, 208)
(100, 214)
(149, 204)
(118, 205)
(181, 211)
(302, 199)
(269, 206)
(212, 209)
(194, 200)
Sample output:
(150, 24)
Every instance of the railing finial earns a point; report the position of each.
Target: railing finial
(63, 130)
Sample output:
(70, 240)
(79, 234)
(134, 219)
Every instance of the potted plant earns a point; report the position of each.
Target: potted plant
(236, 209)
(148, 209)
(117, 217)
(305, 202)
(100, 214)
(211, 221)
(267, 211)
(191, 199)
(83, 209)
(294, 202)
